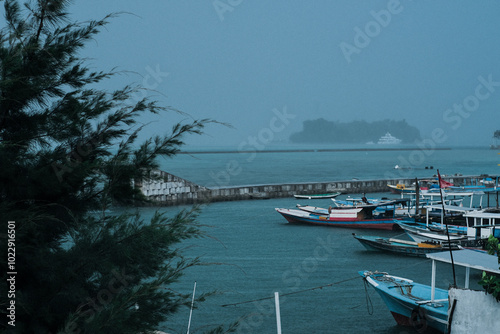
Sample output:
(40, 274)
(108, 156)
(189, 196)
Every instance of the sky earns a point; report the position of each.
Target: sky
(266, 66)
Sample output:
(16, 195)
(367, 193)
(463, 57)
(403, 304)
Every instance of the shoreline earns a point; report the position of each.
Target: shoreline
(314, 150)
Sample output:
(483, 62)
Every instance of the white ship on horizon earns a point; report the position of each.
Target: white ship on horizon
(389, 139)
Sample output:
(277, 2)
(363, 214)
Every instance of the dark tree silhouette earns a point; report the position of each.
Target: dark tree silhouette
(68, 153)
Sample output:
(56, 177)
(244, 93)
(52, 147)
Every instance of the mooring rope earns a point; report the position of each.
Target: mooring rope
(321, 287)
(369, 304)
(294, 292)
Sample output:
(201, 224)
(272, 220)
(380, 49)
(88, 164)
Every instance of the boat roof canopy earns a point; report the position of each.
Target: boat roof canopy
(449, 193)
(385, 203)
(392, 202)
(450, 208)
(469, 258)
(492, 190)
(483, 214)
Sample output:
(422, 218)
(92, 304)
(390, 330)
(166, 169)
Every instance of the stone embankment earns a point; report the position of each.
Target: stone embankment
(168, 190)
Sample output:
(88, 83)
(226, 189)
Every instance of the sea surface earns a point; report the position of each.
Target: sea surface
(291, 164)
(251, 252)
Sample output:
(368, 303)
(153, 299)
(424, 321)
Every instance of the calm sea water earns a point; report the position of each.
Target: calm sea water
(250, 168)
(252, 252)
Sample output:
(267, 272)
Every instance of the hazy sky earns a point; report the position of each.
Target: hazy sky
(266, 66)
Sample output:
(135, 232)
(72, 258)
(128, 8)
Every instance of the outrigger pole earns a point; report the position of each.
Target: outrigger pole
(447, 233)
(417, 198)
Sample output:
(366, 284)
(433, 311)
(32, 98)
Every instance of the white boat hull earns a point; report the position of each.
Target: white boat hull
(421, 235)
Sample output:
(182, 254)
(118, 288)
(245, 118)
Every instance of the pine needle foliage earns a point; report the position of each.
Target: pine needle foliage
(69, 153)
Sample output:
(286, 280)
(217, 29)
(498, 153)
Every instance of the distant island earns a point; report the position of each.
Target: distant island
(356, 132)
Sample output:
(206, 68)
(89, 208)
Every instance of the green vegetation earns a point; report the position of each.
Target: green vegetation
(357, 132)
(68, 154)
(491, 283)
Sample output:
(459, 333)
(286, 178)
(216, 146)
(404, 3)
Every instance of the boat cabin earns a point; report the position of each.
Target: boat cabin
(482, 223)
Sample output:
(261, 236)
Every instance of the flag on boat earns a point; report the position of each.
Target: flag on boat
(443, 183)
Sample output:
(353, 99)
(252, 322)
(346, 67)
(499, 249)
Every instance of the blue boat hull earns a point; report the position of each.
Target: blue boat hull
(409, 302)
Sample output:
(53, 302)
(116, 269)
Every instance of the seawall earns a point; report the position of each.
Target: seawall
(169, 190)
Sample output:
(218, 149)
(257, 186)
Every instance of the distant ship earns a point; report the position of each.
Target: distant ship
(389, 139)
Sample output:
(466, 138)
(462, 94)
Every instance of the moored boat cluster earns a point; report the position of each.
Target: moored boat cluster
(440, 225)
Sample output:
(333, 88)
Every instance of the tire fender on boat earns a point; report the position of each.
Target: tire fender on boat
(418, 319)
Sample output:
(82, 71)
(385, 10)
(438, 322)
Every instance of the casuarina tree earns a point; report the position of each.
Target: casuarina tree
(69, 152)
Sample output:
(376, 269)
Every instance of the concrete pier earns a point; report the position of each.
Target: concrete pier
(169, 190)
(475, 312)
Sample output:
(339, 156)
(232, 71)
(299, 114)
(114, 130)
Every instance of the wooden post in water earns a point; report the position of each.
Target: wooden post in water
(417, 198)
(191, 311)
(278, 316)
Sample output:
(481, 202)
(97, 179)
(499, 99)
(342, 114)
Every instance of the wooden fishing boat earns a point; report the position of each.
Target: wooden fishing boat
(401, 188)
(313, 209)
(353, 217)
(399, 246)
(410, 303)
(420, 232)
(317, 196)
(423, 306)
(401, 209)
(479, 225)
(357, 201)
(348, 205)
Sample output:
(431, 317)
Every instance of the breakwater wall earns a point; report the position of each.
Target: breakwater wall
(169, 190)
